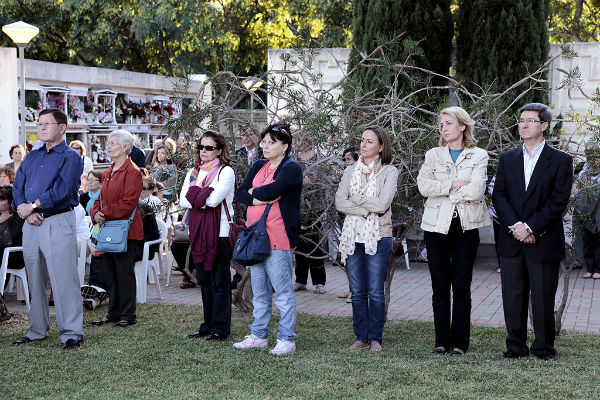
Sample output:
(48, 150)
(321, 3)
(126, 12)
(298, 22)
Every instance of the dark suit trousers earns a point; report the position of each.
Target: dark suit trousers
(215, 287)
(591, 250)
(520, 275)
(304, 264)
(450, 258)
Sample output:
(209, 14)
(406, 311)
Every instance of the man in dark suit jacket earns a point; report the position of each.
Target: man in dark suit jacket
(533, 186)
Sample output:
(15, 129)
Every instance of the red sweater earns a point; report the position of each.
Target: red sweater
(120, 195)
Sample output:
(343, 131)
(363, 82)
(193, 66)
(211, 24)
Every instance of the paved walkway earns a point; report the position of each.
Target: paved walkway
(411, 296)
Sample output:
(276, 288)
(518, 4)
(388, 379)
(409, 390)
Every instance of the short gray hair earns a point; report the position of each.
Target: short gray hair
(544, 112)
(125, 138)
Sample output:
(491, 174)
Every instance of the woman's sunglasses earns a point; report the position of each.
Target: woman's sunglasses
(208, 148)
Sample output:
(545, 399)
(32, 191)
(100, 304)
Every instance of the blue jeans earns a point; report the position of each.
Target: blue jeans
(367, 274)
(274, 273)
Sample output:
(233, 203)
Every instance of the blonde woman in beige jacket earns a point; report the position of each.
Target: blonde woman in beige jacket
(365, 195)
(453, 178)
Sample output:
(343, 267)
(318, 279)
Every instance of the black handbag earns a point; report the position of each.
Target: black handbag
(253, 245)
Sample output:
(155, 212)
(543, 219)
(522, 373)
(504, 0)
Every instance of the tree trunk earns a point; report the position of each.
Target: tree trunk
(242, 296)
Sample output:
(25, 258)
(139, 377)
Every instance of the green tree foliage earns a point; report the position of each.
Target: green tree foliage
(501, 41)
(427, 30)
(574, 21)
(170, 36)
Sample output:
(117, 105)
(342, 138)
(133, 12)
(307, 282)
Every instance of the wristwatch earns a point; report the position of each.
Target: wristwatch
(33, 205)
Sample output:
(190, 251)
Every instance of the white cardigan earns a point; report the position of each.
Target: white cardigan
(224, 184)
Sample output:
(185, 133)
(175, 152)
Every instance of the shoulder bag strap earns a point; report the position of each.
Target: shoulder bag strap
(362, 191)
(132, 213)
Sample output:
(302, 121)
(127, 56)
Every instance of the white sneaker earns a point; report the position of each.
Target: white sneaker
(251, 342)
(283, 347)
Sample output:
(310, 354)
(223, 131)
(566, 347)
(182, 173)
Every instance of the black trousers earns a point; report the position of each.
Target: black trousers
(304, 264)
(120, 279)
(215, 287)
(179, 251)
(591, 250)
(450, 258)
(98, 272)
(520, 276)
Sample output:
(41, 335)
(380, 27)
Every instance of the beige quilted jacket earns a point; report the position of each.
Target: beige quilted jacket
(470, 166)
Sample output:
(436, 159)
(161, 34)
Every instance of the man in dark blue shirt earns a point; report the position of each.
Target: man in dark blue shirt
(45, 192)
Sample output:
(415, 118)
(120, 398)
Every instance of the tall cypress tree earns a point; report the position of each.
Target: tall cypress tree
(500, 42)
(428, 32)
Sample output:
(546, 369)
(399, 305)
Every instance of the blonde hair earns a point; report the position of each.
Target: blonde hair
(80, 144)
(464, 119)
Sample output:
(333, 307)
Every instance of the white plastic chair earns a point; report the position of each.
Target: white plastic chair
(21, 273)
(141, 267)
(81, 260)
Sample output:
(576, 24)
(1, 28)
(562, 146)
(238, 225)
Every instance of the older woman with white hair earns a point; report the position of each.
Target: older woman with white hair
(453, 179)
(119, 196)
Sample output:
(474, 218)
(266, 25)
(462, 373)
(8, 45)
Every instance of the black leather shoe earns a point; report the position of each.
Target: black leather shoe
(24, 340)
(71, 344)
(126, 323)
(198, 334)
(216, 336)
(439, 350)
(546, 357)
(513, 354)
(100, 322)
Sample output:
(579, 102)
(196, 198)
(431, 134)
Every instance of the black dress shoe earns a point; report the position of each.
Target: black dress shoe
(71, 344)
(198, 334)
(438, 350)
(126, 323)
(100, 322)
(457, 353)
(24, 340)
(216, 336)
(513, 354)
(545, 357)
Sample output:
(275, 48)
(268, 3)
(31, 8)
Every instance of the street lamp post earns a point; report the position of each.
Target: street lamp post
(21, 33)
(252, 85)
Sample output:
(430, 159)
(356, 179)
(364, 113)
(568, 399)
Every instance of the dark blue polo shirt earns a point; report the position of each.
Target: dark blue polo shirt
(53, 177)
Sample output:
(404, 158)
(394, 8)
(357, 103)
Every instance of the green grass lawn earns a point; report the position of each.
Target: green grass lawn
(155, 360)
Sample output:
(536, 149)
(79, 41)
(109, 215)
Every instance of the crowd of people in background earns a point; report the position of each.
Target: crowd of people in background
(54, 209)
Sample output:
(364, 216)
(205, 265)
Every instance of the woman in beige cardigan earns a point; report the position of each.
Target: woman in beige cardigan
(365, 195)
(453, 178)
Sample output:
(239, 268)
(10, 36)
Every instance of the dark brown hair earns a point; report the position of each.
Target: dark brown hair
(13, 147)
(221, 144)
(6, 194)
(384, 139)
(9, 172)
(97, 174)
(351, 150)
(280, 132)
(58, 115)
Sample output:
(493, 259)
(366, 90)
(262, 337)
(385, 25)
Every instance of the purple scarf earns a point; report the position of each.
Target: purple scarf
(204, 223)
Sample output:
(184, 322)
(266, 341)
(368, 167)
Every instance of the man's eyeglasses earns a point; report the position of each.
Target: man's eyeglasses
(93, 180)
(147, 188)
(521, 121)
(48, 123)
(208, 148)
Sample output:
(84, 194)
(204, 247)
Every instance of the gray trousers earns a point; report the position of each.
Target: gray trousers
(50, 254)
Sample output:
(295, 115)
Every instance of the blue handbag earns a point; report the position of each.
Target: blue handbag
(112, 236)
(253, 245)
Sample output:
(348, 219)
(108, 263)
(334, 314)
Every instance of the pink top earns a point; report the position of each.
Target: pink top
(275, 225)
